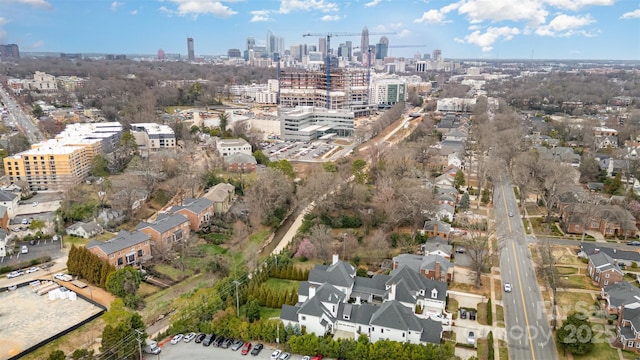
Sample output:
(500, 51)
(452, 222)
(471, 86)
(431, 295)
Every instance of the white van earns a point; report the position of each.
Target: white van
(152, 347)
(24, 249)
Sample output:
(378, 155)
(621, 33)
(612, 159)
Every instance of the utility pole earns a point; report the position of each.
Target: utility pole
(237, 297)
(139, 339)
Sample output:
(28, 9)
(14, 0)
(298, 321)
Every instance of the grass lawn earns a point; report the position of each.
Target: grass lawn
(533, 209)
(278, 285)
(483, 290)
(497, 289)
(73, 240)
(568, 299)
(452, 307)
(207, 252)
(267, 313)
(260, 236)
(482, 313)
(629, 355)
(171, 272)
(147, 289)
(499, 316)
(631, 278)
(504, 350)
(483, 349)
(576, 282)
(68, 343)
(602, 351)
(565, 270)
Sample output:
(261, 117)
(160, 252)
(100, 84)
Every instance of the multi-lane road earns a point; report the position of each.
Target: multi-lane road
(528, 332)
(20, 119)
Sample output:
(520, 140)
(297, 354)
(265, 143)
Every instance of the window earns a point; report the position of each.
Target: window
(303, 318)
(381, 331)
(403, 334)
(131, 258)
(606, 282)
(120, 262)
(140, 253)
(630, 343)
(638, 345)
(607, 275)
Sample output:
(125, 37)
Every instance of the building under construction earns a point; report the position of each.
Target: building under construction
(348, 90)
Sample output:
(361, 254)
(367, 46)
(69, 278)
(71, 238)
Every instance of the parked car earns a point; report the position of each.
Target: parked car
(471, 338)
(208, 339)
(318, 357)
(246, 348)
(306, 358)
(226, 343)
(32, 270)
(176, 339)
(472, 314)
(190, 336)
(463, 314)
(507, 287)
(275, 354)
(218, 341)
(203, 336)
(24, 249)
(284, 356)
(63, 277)
(256, 349)
(14, 274)
(634, 243)
(237, 345)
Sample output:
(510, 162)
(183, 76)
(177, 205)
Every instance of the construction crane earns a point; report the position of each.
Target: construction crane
(327, 60)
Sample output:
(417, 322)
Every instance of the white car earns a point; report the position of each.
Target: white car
(24, 249)
(306, 358)
(63, 277)
(275, 354)
(32, 270)
(507, 287)
(176, 339)
(14, 274)
(471, 339)
(189, 337)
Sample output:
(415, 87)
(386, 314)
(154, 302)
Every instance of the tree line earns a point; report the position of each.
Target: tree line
(87, 265)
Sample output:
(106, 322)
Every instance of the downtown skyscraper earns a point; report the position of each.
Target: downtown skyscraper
(364, 44)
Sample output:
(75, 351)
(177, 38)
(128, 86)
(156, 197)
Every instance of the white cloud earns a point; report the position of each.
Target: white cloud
(431, 17)
(115, 5)
(565, 25)
(260, 15)
(476, 11)
(198, 7)
(635, 14)
(404, 33)
(3, 21)
(287, 6)
(485, 40)
(133, 12)
(331, 18)
(372, 3)
(36, 3)
(37, 44)
(578, 4)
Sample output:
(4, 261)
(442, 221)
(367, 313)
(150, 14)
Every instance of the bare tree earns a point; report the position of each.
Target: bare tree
(548, 271)
(271, 190)
(378, 245)
(127, 190)
(322, 238)
(479, 249)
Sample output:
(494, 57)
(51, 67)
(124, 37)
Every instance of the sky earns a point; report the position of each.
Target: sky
(478, 29)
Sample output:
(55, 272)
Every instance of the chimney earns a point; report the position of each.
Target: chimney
(358, 302)
(312, 291)
(437, 274)
(336, 257)
(392, 292)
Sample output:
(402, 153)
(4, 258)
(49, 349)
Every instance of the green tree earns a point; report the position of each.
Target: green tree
(57, 355)
(253, 310)
(284, 166)
(486, 196)
(124, 283)
(459, 179)
(576, 334)
(224, 121)
(359, 171)
(36, 225)
(464, 201)
(261, 158)
(100, 166)
(329, 166)
(37, 111)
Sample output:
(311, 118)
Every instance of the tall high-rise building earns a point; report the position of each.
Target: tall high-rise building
(322, 46)
(382, 48)
(9, 51)
(345, 50)
(275, 44)
(251, 43)
(364, 43)
(437, 55)
(191, 55)
(160, 54)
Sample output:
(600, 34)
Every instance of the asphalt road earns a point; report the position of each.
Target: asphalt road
(528, 332)
(20, 119)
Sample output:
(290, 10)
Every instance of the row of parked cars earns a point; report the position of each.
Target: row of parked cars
(219, 341)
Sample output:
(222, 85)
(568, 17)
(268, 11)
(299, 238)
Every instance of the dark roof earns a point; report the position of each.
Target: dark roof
(164, 222)
(590, 248)
(603, 262)
(392, 314)
(374, 285)
(429, 247)
(289, 312)
(431, 331)
(437, 239)
(418, 262)
(194, 205)
(443, 227)
(361, 314)
(338, 274)
(240, 158)
(622, 293)
(7, 196)
(415, 282)
(123, 240)
(632, 315)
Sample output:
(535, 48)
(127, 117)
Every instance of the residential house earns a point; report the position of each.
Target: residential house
(437, 228)
(609, 220)
(222, 195)
(85, 230)
(603, 270)
(445, 212)
(455, 159)
(240, 163)
(199, 211)
(228, 147)
(10, 201)
(620, 295)
(621, 257)
(436, 248)
(628, 329)
(127, 248)
(166, 230)
(432, 266)
(383, 306)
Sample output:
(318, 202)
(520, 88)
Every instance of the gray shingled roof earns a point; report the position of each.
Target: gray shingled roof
(361, 314)
(415, 282)
(7, 196)
(442, 226)
(632, 315)
(590, 248)
(432, 246)
(374, 285)
(240, 158)
(429, 263)
(394, 315)
(123, 240)
(194, 205)
(164, 222)
(603, 262)
(220, 192)
(289, 312)
(338, 274)
(622, 293)
(431, 331)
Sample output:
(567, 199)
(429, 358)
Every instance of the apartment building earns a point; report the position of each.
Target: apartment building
(388, 91)
(152, 137)
(228, 147)
(306, 123)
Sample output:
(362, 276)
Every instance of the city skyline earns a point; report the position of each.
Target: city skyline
(490, 29)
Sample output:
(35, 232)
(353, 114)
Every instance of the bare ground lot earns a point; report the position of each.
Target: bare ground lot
(26, 318)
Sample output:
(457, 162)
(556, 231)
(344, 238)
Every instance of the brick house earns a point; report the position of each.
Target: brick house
(434, 267)
(166, 230)
(603, 270)
(628, 329)
(125, 249)
(240, 163)
(609, 220)
(617, 296)
(198, 211)
(437, 228)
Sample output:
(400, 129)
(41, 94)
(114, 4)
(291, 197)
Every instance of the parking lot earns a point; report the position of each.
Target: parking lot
(195, 351)
(298, 150)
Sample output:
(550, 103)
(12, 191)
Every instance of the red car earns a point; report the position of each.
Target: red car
(317, 357)
(246, 348)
